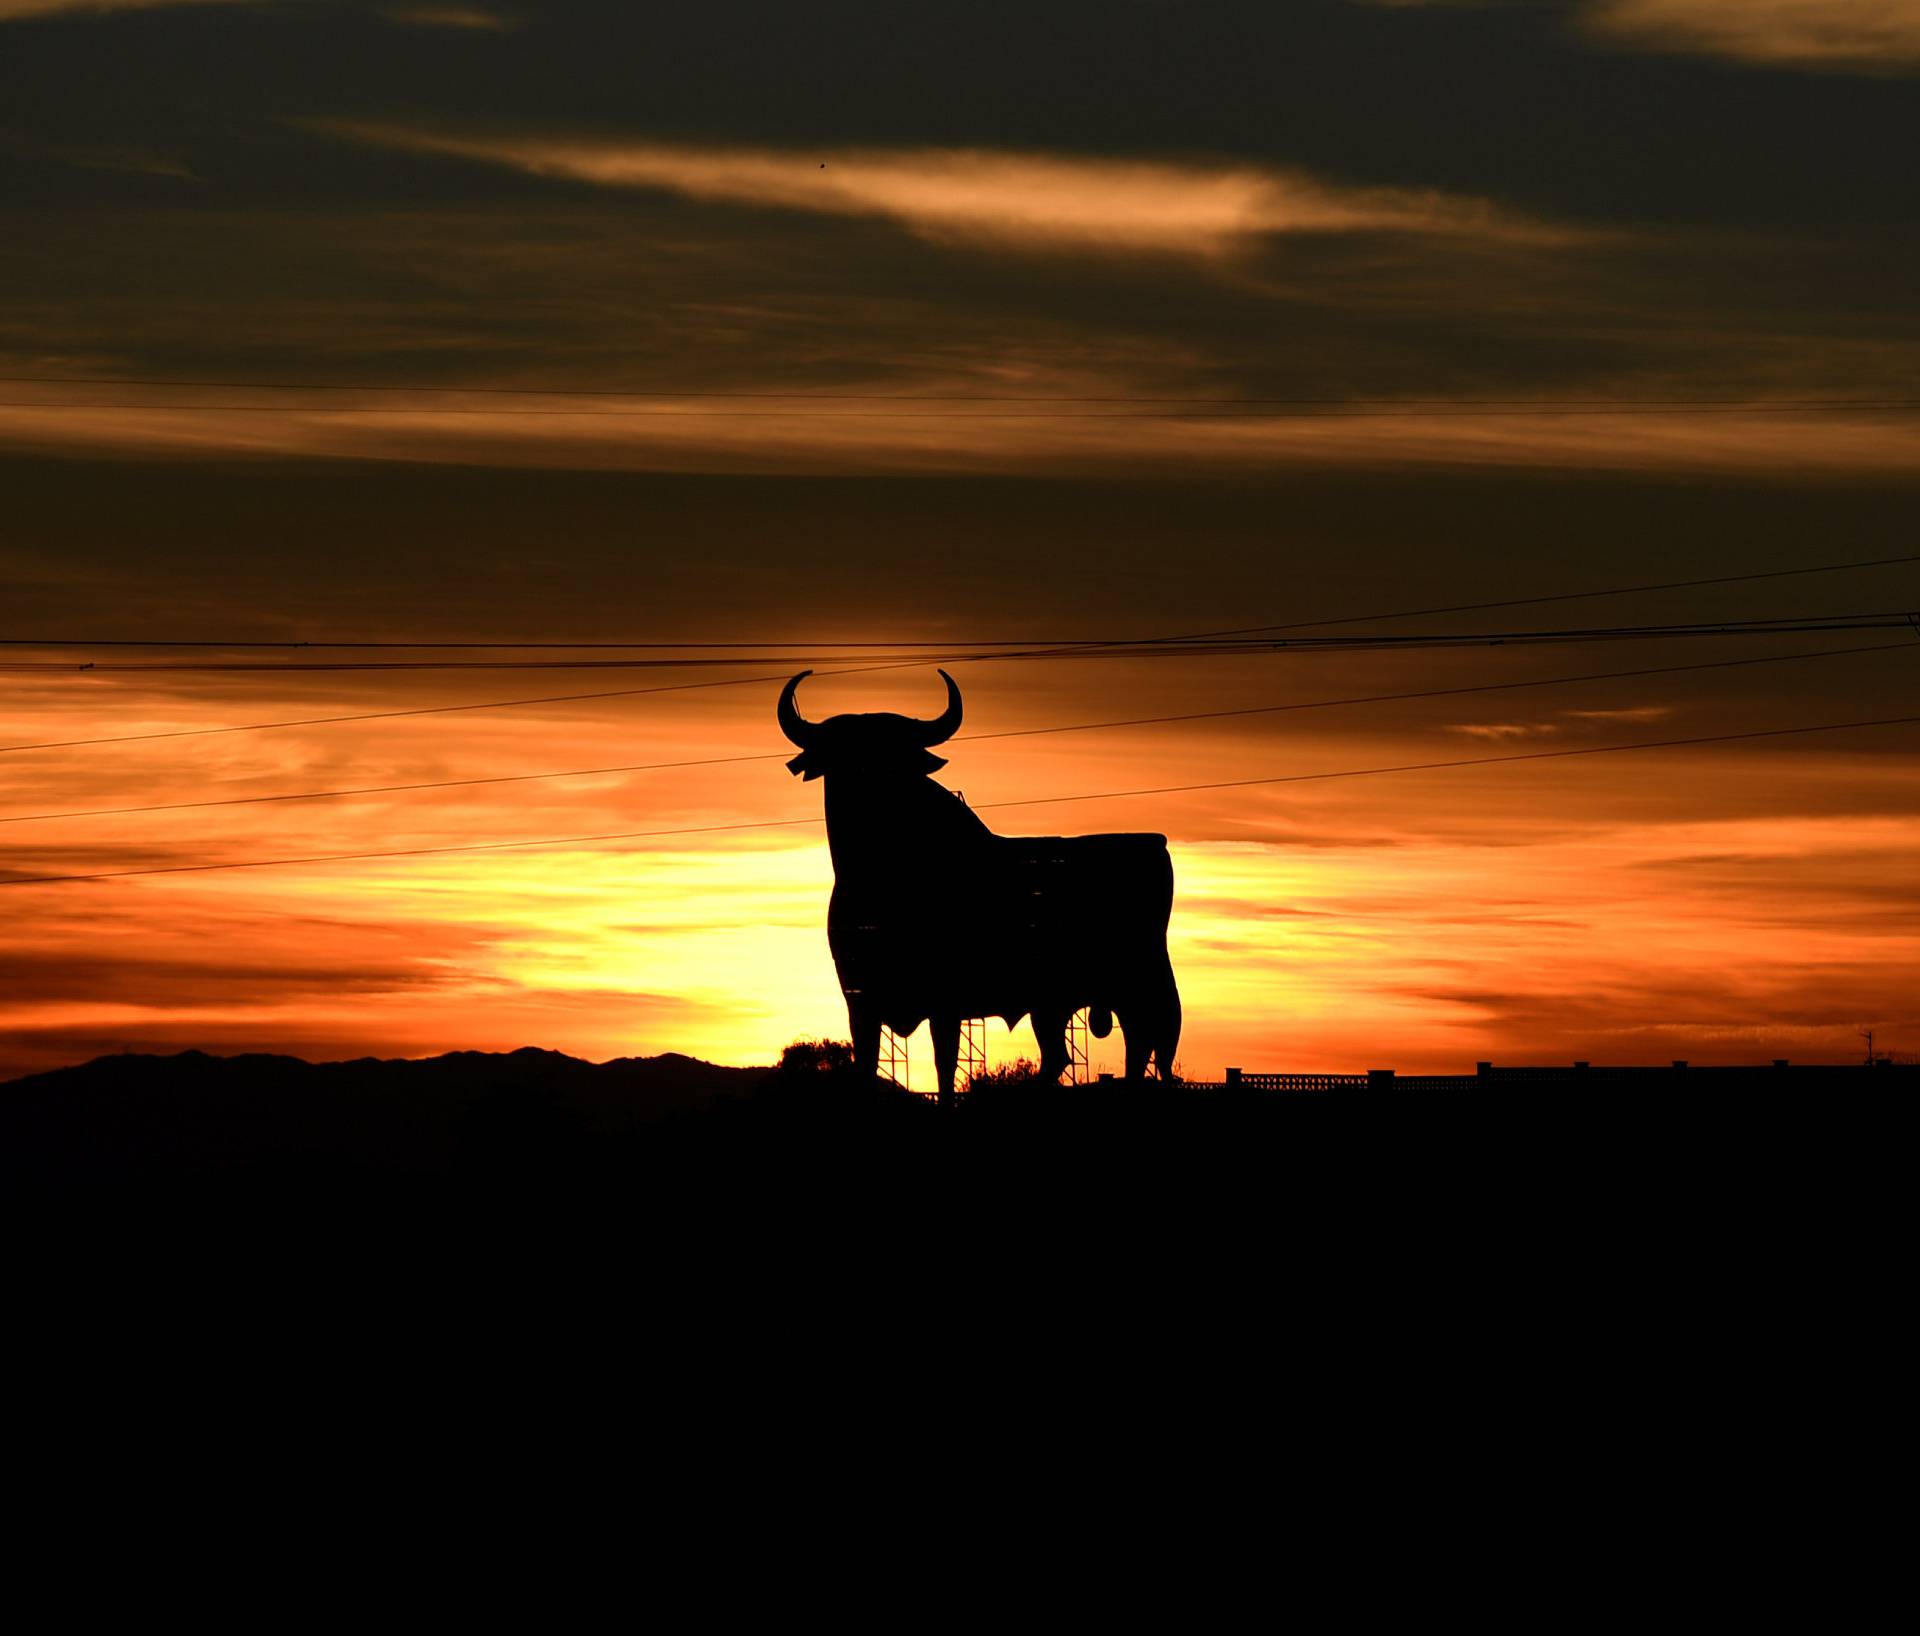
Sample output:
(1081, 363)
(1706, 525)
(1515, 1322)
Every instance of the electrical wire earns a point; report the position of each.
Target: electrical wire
(1031, 801)
(422, 710)
(964, 738)
(868, 397)
(1148, 649)
(987, 642)
(1296, 415)
(746, 681)
(1467, 761)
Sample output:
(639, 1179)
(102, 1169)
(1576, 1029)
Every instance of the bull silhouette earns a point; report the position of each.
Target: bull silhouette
(935, 918)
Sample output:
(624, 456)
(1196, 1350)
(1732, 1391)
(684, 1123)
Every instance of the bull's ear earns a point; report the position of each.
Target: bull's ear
(802, 766)
(931, 763)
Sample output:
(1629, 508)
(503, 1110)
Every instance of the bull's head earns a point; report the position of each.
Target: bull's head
(877, 743)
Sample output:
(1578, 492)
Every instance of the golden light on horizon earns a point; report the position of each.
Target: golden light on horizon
(1343, 929)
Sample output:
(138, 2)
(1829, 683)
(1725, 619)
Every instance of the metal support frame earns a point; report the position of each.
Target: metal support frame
(893, 1058)
(1079, 1057)
(973, 1052)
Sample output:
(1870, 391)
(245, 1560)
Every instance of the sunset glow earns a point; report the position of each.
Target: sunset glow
(551, 329)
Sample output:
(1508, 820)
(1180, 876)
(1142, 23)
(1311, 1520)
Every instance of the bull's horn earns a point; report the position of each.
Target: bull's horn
(947, 723)
(792, 723)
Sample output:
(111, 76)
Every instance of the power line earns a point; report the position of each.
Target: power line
(876, 397)
(408, 852)
(1564, 596)
(747, 681)
(677, 647)
(1032, 801)
(1470, 761)
(1148, 648)
(967, 738)
(987, 642)
(422, 710)
(1755, 407)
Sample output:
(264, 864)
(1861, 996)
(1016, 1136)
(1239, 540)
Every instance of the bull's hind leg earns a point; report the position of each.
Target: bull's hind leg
(1150, 1020)
(1160, 1020)
(1166, 1032)
(1139, 1037)
(946, 1053)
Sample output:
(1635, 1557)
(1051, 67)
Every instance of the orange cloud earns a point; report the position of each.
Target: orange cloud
(1846, 34)
(450, 16)
(971, 194)
(10, 10)
(1856, 35)
(800, 436)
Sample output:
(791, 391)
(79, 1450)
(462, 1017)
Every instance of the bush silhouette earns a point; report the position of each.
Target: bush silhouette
(816, 1057)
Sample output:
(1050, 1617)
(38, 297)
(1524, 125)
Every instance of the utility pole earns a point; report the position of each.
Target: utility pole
(1867, 1035)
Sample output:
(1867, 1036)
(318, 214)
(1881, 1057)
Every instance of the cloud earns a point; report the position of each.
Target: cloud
(1031, 200)
(685, 436)
(1875, 35)
(464, 17)
(1854, 35)
(1502, 731)
(14, 10)
(1641, 712)
(425, 15)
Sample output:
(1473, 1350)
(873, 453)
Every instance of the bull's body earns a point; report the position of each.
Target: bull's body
(936, 919)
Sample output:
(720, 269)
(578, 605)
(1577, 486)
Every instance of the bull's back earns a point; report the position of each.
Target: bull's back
(1120, 884)
(1011, 924)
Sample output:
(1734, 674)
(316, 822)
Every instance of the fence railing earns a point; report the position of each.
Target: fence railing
(1296, 1082)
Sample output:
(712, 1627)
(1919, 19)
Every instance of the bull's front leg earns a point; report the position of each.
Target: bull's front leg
(946, 1053)
(863, 1022)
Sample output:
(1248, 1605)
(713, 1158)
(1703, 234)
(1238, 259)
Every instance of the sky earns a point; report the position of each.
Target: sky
(952, 325)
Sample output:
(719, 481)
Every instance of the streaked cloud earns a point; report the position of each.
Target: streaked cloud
(694, 436)
(1034, 200)
(464, 17)
(1852, 35)
(1881, 35)
(424, 15)
(1499, 732)
(1641, 712)
(11, 10)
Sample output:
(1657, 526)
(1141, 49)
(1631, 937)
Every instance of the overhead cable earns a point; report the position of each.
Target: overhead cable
(1031, 801)
(963, 738)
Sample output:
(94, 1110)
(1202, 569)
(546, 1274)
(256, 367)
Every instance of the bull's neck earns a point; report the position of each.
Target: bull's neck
(870, 820)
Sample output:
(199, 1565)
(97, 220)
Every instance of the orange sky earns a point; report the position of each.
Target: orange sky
(926, 338)
(1737, 903)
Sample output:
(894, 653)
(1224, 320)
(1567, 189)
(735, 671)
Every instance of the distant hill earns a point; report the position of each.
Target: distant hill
(135, 1116)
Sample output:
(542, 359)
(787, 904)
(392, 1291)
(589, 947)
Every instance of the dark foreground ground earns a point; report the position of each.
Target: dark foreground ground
(536, 1134)
(660, 1246)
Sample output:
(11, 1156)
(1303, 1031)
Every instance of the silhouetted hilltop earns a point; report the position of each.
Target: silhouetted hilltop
(130, 1116)
(534, 1131)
